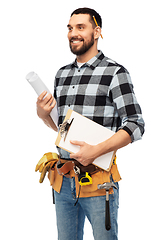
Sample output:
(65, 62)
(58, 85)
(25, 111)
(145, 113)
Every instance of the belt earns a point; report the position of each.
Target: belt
(64, 166)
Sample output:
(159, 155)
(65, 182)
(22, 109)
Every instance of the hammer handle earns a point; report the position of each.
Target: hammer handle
(107, 213)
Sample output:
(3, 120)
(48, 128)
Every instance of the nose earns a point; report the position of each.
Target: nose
(73, 33)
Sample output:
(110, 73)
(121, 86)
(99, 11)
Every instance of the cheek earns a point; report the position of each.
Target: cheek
(68, 36)
(87, 36)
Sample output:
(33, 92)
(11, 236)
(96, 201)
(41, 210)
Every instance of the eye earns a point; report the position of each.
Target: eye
(81, 28)
(69, 29)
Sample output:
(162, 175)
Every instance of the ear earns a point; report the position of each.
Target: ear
(97, 33)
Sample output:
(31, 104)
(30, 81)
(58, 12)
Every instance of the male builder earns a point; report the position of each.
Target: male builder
(100, 89)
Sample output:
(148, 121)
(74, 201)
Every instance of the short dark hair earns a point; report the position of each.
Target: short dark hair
(91, 12)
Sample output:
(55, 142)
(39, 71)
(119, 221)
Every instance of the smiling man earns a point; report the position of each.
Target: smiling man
(101, 90)
(84, 41)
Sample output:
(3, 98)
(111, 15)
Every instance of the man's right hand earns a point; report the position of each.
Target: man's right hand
(45, 105)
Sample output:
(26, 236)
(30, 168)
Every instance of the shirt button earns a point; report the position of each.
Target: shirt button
(79, 70)
(73, 87)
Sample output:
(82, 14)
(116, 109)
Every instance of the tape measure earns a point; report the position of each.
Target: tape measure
(85, 179)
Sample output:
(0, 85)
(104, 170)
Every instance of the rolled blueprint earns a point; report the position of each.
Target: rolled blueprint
(39, 88)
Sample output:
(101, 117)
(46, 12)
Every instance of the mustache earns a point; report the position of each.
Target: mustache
(76, 39)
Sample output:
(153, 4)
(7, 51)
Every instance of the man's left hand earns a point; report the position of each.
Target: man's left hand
(87, 153)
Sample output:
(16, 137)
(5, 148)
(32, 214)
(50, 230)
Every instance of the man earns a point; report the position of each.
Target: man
(100, 89)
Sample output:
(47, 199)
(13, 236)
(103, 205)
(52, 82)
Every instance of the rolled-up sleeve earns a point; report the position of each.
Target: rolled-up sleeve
(124, 100)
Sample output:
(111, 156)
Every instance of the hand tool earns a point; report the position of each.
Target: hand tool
(85, 179)
(107, 186)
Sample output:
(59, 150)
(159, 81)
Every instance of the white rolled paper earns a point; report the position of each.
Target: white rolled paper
(39, 88)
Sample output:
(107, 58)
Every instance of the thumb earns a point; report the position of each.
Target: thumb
(74, 142)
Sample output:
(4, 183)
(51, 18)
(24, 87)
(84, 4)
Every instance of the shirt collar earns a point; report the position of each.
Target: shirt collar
(93, 62)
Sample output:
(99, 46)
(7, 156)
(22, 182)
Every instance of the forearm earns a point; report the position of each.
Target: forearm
(88, 153)
(49, 122)
(45, 104)
(118, 140)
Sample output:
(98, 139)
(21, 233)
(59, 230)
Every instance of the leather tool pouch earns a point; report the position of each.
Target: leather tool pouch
(100, 177)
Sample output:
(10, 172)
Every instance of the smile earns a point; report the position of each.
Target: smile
(76, 41)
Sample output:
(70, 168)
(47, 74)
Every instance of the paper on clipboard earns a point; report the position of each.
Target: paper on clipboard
(84, 129)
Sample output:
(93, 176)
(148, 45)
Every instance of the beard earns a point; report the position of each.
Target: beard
(85, 47)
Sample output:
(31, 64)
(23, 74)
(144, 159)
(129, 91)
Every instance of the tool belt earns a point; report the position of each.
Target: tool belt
(89, 187)
(65, 166)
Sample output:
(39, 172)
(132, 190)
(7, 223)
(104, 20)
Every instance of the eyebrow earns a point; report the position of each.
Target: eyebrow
(78, 25)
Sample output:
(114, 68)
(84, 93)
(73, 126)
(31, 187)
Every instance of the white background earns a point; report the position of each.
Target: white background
(34, 38)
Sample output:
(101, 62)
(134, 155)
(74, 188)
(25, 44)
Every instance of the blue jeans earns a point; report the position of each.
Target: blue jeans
(70, 218)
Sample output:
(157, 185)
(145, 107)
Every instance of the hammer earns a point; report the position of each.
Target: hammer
(107, 186)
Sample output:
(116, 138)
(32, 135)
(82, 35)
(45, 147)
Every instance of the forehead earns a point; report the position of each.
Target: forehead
(80, 19)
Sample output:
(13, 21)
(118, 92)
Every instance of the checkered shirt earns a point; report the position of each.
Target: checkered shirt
(102, 91)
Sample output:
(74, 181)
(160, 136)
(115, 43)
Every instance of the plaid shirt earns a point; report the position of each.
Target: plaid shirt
(102, 91)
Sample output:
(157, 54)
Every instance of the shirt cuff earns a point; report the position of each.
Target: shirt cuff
(133, 130)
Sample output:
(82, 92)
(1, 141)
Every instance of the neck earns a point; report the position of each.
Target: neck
(88, 55)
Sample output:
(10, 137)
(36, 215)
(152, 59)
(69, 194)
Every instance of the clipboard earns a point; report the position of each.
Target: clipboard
(81, 128)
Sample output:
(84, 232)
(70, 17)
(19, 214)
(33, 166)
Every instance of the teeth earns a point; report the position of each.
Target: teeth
(76, 41)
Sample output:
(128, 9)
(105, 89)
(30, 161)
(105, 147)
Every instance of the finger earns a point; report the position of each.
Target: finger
(78, 143)
(47, 99)
(73, 155)
(42, 95)
(51, 103)
(79, 158)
